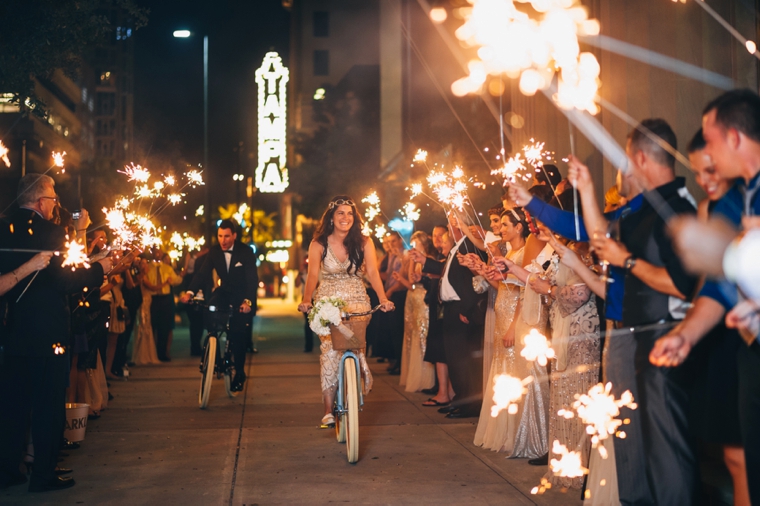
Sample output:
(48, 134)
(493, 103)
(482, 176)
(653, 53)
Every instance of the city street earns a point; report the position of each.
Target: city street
(153, 445)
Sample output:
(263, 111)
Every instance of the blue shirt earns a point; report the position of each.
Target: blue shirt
(563, 223)
(739, 201)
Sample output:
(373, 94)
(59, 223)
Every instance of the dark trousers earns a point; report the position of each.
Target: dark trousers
(238, 335)
(664, 404)
(36, 386)
(397, 324)
(195, 317)
(464, 355)
(120, 357)
(308, 335)
(629, 452)
(161, 317)
(748, 361)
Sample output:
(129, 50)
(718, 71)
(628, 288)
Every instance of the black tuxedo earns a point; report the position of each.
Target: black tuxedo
(463, 342)
(239, 283)
(33, 378)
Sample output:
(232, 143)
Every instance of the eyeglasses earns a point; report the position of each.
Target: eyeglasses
(341, 202)
(51, 198)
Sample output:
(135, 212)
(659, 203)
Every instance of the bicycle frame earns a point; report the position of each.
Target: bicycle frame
(339, 408)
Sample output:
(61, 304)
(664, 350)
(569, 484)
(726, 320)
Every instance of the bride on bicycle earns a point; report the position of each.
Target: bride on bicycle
(338, 257)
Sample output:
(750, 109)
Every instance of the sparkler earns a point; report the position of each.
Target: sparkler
(58, 160)
(420, 156)
(373, 206)
(4, 155)
(136, 173)
(537, 348)
(507, 392)
(410, 212)
(380, 231)
(598, 410)
(511, 170)
(194, 178)
(569, 464)
(75, 256)
(510, 42)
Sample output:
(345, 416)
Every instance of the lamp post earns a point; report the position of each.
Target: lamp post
(184, 34)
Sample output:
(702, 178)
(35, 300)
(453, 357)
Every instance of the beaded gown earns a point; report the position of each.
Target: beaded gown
(338, 280)
(498, 434)
(416, 374)
(575, 339)
(533, 429)
(144, 349)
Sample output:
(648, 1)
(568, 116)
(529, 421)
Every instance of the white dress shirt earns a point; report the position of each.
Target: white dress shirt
(228, 256)
(448, 293)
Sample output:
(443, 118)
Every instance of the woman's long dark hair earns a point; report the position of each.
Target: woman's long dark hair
(354, 241)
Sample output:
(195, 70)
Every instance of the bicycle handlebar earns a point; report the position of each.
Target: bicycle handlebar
(365, 313)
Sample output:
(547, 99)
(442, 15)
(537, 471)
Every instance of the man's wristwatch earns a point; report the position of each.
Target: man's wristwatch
(630, 262)
(248, 301)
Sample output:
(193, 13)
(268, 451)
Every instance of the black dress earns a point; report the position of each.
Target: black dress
(435, 351)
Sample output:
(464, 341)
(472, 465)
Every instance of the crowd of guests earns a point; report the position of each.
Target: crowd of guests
(613, 294)
(65, 333)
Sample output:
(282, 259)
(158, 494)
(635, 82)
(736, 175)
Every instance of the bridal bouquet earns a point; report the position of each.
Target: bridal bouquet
(326, 312)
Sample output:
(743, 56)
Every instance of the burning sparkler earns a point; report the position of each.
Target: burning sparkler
(511, 42)
(535, 154)
(136, 173)
(58, 160)
(569, 464)
(75, 256)
(537, 348)
(507, 392)
(373, 206)
(410, 212)
(170, 180)
(4, 155)
(380, 231)
(512, 170)
(420, 156)
(598, 410)
(194, 178)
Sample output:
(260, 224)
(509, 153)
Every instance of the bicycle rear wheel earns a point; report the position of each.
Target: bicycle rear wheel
(340, 426)
(352, 407)
(207, 372)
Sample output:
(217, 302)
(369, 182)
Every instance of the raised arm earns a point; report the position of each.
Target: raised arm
(370, 265)
(580, 177)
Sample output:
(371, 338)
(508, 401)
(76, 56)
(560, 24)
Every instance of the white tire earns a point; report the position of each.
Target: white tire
(207, 373)
(352, 406)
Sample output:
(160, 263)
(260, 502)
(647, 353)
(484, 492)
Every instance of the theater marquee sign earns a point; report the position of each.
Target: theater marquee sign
(272, 80)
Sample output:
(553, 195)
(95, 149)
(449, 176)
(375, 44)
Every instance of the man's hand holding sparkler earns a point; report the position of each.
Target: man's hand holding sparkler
(579, 175)
(40, 260)
(610, 250)
(502, 264)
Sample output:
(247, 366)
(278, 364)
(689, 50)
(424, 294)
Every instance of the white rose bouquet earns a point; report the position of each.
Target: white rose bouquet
(326, 312)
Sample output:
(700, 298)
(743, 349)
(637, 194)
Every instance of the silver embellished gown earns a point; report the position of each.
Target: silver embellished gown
(575, 337)
(531, 440)
(337, 281)
(498, 434)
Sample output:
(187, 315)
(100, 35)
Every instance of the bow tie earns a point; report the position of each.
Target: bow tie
(227, 251)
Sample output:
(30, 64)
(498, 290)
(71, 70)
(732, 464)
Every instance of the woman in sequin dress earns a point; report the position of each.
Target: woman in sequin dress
(498, 434)
(416, 374)
(575, 340)
(338, 257)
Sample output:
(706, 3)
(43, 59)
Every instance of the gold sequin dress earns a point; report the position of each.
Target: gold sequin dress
(575, 338)
(498, 434)
(337, 281)
(416, 374)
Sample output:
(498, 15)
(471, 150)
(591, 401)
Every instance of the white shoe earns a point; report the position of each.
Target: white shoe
(328, 421)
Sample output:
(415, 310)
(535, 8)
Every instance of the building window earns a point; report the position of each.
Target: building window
(321, 63)
(321, 24)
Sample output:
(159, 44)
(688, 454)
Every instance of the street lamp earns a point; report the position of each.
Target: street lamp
(185, 34)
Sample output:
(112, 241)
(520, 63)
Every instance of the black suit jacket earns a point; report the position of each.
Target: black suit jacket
(240, 283)
(472, 305)
(41, 317)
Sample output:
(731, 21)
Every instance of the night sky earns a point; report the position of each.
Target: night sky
(169, 79)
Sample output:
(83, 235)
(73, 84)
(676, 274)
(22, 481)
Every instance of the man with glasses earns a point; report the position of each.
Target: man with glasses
(35, 362)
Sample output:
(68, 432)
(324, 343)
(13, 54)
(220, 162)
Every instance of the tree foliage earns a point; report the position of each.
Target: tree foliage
(39, 36)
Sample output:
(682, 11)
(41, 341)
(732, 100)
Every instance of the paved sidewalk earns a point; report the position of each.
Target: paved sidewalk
(153, 445)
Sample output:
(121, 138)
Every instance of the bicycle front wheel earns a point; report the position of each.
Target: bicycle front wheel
(207, 372)
(352, 407)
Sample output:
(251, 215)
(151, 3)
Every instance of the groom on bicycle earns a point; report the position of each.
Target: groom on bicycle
(228, 277)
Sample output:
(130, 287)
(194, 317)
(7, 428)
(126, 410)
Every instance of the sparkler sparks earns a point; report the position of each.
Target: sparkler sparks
(380, 231)
(510, 42)
(569, 464)
(416, 189)
(75, 256)
(420, 155)
(136, 173)
(373, 206)
(170, 180)
(175, 198)
(449, 188)
(535, 154)
(410, 211)
(58, 158)
(507, 392)
(537, 348)
(194, 178)
(598, 410)
(4, 155)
